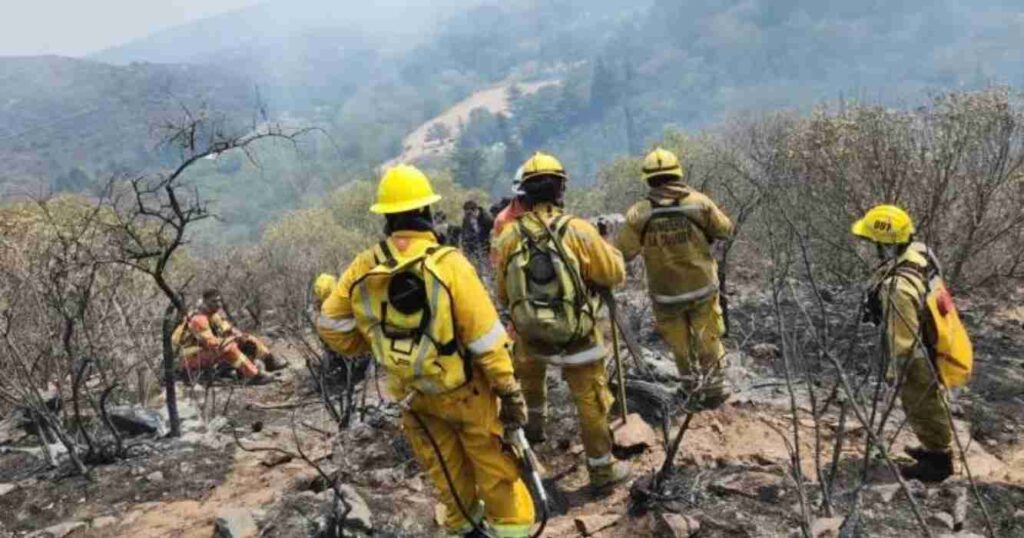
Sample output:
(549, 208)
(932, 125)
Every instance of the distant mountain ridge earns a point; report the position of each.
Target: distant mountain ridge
(273, 23)
(61, 114)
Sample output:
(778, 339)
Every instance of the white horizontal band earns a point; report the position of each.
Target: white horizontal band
(345, 325)
(690, 296)
(486, 342)
(586, 356)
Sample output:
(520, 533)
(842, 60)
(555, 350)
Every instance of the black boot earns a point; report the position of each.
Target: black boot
(916, 452)
(534, 429)
(932, 466)
(273, 363)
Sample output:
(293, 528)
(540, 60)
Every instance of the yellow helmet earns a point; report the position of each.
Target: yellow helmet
(402, 189)
(324, 285)
(661, 162)
(885, 224)
(542, 164)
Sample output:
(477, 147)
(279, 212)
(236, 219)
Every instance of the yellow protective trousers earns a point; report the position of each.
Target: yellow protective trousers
(924, 402)
(588, 384)
(464, 424)
(694, 333)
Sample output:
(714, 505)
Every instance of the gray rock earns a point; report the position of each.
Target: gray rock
(235, 523)
(676, 525)
(592, 524)
(132, 420)
(886, 492)
(59, 531)
(359, 516)
(7, 488)
(216, 424)
(384, 478)
(635, 434)
(758, 485)
(764, 351)
(826, 527)
(942, 519)
(103, 522)
(155, 477)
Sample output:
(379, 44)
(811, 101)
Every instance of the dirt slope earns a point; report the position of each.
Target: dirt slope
(733, 474)
(415, 145)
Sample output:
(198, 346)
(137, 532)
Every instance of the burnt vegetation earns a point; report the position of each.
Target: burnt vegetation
(92, 288)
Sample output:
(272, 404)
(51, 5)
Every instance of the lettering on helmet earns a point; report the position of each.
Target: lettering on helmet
(882, 225)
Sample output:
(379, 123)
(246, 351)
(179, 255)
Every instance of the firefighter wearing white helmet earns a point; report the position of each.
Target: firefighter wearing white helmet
(422, 311)
(674, 229)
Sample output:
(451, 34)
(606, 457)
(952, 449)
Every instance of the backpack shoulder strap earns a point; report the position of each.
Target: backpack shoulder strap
(439, 252)
(914, 274)
(382, 254)
(561, 225)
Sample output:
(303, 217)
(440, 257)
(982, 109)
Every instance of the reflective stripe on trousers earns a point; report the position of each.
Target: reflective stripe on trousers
(688, 297)
(586, 356)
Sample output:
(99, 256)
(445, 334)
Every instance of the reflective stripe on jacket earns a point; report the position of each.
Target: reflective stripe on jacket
(673, 230)
(476, 322)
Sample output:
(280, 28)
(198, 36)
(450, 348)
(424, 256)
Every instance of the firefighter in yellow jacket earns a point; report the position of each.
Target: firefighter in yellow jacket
(421, 309)
(674, 229)
(896, 300)
(544, 248)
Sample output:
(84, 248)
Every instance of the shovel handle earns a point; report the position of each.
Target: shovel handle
(619, 374)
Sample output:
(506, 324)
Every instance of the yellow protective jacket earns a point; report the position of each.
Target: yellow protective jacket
(901, 297)
(674, 229)
(478, 330)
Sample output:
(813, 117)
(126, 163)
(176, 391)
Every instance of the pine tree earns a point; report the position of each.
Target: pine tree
(604, 88)
(467, 163)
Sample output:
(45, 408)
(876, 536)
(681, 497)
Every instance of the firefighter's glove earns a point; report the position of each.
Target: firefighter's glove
(871, 310)
(513, 409)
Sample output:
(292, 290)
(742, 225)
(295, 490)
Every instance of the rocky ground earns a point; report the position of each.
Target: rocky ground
(734, 475)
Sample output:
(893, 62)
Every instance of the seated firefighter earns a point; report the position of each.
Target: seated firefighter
(207, 339)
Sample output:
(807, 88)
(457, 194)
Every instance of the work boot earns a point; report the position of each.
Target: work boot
(605, 476)
(916, 452)
(273, 363)
(931, 466)
(534, 429)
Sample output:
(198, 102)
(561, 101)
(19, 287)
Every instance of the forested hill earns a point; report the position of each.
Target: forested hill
(64, 123)
(371, 73)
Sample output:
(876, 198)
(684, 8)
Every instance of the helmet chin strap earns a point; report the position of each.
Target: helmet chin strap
(886, 252)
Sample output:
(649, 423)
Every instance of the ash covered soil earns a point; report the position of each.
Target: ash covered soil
(733, 476)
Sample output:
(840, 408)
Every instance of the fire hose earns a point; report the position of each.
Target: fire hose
(529, 467)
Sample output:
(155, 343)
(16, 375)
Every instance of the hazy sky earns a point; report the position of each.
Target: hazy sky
(79, 27)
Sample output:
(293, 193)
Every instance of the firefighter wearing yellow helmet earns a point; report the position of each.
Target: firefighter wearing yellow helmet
(674, 229)
(905, 293)
(547, 262)
(422, 311)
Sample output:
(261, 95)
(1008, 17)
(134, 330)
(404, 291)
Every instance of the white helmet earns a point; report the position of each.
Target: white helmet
(517, 181)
